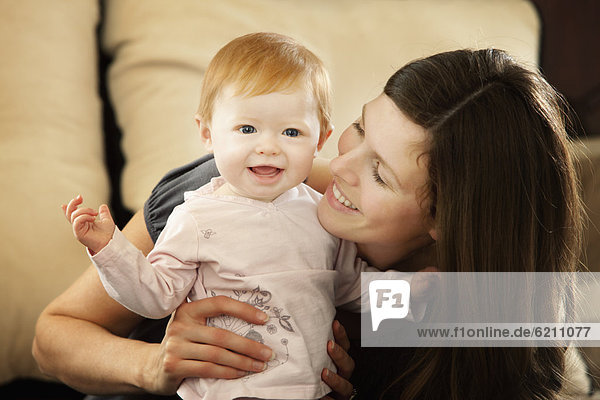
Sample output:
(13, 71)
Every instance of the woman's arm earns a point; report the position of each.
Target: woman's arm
(80, 339)
(319, 177)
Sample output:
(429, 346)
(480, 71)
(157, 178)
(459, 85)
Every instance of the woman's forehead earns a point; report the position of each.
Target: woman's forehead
(382, 113)
(394, 138)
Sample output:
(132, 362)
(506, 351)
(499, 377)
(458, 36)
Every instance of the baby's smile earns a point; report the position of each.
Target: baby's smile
(265, 170)
(266, 174)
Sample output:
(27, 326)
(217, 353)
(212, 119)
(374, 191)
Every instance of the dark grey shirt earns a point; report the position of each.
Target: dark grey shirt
(168, 193)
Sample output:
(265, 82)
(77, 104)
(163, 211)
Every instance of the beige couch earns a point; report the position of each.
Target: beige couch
(50, 112)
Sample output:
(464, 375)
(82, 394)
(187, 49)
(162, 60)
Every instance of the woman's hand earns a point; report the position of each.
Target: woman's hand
(342, 388)
(192, 349)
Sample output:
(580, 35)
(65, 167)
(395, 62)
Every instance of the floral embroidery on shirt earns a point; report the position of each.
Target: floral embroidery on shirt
(260, 299)
(208, 233)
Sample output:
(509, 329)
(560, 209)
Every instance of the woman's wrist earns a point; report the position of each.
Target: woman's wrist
(150, 375)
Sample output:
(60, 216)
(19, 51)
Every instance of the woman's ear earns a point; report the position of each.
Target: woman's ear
(433, 233)
(205, 134)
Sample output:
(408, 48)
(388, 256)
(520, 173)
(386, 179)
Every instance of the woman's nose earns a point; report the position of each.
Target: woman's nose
(267, 145)
(345, 166)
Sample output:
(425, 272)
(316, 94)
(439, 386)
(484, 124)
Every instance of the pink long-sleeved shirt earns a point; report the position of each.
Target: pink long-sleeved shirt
(275, 256)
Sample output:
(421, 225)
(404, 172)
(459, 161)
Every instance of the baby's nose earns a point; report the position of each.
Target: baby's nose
(267, 146)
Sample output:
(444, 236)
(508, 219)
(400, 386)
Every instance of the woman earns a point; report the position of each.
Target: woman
(501, 192)
(463, 163)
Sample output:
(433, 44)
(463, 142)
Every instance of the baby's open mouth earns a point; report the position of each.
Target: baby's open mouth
(265, 170)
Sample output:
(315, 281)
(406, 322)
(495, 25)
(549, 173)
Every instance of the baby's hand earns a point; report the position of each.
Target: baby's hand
(94, 233)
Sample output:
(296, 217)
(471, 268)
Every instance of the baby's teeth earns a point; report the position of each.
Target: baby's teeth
(347, 203)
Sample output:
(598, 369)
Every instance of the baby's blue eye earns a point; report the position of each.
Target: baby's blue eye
(291, 132)
(247, 129)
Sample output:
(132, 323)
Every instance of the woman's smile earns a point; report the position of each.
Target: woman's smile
(341, 198)
(337, 201)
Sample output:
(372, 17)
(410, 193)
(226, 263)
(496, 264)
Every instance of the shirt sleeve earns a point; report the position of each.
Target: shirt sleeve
(155, 286)
(168, 193)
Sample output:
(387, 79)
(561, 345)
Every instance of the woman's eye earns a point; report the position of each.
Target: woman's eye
(376, 175)
(291, 132)
(358, 129)
(247, 129)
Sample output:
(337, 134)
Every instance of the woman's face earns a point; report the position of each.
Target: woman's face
(378, 178)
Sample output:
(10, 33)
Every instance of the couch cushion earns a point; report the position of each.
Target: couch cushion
(161, 52)
(51, 142)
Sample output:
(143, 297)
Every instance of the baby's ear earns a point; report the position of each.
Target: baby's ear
(324, 137)
(205, 135)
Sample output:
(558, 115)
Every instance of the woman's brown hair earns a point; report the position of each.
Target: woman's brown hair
(504, 197)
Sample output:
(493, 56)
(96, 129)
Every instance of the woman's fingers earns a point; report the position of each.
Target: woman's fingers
(192, 349)
(338, 351)
(341, 359)
(214, 306)
(226, 339)
(341, 387)
(227, 364)
(423, 284)
(339, 384)
(340, 335)
(218, 345)
(208, 370)
(220, 339)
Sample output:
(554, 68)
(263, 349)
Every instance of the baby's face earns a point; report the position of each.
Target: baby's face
(263, 145)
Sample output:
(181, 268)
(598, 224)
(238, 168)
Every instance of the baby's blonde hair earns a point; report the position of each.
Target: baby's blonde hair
(263, 63)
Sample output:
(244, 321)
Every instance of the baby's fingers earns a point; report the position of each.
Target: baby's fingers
(72, 206)
(81, 222)
(84, 211)
(104, 213)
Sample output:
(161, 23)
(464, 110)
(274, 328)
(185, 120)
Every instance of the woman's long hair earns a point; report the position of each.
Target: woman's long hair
(503, 193)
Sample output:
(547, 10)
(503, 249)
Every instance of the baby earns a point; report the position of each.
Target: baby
(251, 234)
